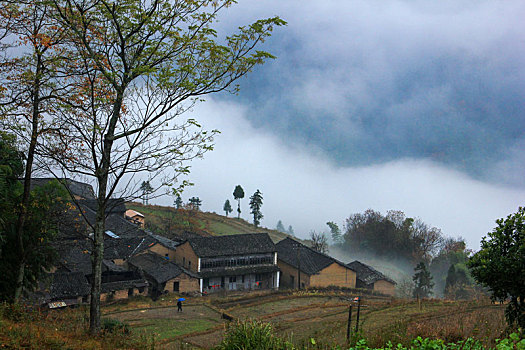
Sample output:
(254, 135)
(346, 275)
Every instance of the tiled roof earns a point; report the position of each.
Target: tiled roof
(113, 206)
(311, 261)
(250, 243)
(74, 255)
(76, 188)
(68, 285)
(166, 242)
(157, 267)
(131, 213)
(367, 274)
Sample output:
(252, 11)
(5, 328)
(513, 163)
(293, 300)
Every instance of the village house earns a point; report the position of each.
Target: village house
(135, 217)
(303, 267)
(164, 275)
(233, 262)
(61, 289)
(164, 247)
(370, 278)
(77, 190)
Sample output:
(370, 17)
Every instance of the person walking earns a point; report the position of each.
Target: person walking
(179, 306)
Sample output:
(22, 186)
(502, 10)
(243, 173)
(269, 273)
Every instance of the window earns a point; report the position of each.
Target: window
(242, 278)
(233, 279)
(183, 262)
(189, 263)
(176, 286)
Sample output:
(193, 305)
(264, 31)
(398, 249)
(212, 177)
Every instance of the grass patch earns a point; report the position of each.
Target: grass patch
(166, 329)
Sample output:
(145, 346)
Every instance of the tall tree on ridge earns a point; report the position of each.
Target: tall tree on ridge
(143, 64)
(146, 189)
(178, 202)
(227, 207)
(280, 226)
(256, 201)
(195, 203)
(238, 194)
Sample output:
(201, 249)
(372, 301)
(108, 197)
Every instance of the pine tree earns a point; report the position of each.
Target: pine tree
(227, 207)
(290, 231)
(423, 281)
(178, 202)
(280, 226)
(256, 201)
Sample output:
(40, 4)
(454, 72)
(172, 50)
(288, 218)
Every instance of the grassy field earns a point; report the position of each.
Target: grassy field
(295, 316)
(170, 222)
(300, 316)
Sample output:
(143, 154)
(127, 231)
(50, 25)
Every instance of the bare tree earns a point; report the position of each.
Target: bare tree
(32, 86)
(319, 242)
(143, 65)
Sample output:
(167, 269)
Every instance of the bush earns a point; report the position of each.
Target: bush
(111, 325)
(252, 335)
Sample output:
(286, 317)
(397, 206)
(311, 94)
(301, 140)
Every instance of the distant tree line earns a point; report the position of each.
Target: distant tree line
(396, 237)
(391, 236)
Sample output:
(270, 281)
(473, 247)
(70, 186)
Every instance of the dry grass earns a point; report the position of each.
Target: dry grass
(295, 316)
(59, 329)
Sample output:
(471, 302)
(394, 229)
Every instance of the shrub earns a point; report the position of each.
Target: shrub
(111, 325)
(252, 335)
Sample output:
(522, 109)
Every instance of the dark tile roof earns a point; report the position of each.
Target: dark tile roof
(76, 188)
(68, 285)
(238, 271)
(311, 261)
(166, 242)
(157, 267)
(367, 274)
(114, 205)
(250, 243)
(74, 255)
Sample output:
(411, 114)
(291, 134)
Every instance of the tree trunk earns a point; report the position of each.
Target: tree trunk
(97, 257)
(102, 174)
(238, 208)
(22, 214)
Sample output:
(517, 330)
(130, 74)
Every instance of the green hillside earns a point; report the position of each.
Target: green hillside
(170, 222)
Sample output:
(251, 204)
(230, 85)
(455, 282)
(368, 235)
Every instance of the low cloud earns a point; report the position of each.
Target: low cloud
(375, 81)
(305, 188)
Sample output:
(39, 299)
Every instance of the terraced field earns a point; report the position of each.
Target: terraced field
(300, 316)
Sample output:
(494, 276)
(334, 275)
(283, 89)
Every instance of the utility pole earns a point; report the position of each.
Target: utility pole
(298, 246)
(358, 311)
(348, 325)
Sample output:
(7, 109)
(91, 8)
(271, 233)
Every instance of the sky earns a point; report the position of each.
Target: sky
(410, 105)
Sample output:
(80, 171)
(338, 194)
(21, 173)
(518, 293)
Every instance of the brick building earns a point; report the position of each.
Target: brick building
(303, 267)
(233, 262)
(370, 278)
